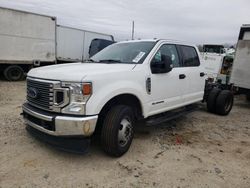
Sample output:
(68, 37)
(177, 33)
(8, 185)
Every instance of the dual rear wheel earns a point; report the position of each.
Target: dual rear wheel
(220, 101)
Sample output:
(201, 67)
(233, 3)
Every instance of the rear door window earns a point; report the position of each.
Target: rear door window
(189, 56)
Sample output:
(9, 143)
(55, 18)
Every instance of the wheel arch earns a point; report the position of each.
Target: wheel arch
(125, 99)
(120, 99)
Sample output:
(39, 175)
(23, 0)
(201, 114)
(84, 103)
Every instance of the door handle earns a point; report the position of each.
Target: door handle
(202, 74)
(182, 76)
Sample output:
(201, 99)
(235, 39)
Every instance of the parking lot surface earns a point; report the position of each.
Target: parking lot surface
(196, 150)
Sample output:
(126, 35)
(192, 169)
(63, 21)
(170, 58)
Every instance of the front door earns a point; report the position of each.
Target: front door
(166, 88)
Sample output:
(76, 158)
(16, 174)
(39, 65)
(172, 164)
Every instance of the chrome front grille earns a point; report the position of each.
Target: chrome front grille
(47, 94)
(40, 94)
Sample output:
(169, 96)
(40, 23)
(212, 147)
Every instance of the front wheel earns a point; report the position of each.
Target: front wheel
(118, 130)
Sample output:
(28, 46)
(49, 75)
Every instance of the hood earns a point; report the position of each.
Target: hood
(76, 72)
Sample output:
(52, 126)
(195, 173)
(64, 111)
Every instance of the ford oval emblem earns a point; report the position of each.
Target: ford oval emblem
(32, 93)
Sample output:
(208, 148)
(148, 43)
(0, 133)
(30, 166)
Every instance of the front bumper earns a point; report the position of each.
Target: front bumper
(58, 125)
(69, 144)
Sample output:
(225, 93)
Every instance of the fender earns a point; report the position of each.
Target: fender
(108, 91)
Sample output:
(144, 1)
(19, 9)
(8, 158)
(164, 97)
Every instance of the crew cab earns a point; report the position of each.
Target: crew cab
(125, 83)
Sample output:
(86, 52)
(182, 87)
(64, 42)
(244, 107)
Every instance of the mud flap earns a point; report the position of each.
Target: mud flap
(68, 144)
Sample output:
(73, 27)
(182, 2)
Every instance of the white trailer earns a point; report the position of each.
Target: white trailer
(241, 66)
(25, 39)
(74, 44)
(29, 39)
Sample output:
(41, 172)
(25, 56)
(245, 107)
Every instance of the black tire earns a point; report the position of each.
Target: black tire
(224, 102)
(111, 142)
(13, 73)
(211, 100)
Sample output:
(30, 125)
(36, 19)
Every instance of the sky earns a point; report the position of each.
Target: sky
(195, 21)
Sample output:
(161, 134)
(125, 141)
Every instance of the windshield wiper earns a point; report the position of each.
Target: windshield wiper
(109, 61)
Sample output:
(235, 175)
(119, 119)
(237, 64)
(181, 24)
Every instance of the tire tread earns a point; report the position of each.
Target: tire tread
(221, 102)
(211, 101)
(108, 140)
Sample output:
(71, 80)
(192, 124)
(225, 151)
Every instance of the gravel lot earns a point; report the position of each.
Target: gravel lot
(197, 150)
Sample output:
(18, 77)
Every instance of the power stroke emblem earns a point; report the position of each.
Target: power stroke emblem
(33, 93)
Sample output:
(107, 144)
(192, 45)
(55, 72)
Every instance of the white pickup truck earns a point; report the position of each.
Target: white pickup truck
(127, 82)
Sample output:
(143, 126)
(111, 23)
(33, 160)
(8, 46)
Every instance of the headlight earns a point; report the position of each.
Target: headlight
(79, 95)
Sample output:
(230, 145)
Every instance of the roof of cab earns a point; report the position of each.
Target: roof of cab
(245, 25)
(160, 40)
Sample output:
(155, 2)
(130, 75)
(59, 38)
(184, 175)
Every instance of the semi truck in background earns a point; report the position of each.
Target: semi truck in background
(241, 66)
(30, 40)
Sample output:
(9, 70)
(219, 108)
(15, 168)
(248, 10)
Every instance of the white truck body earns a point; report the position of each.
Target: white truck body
(212, 63)
(29, 39)
(25, 37)
(73, 44)
(132, 78)
(241, 66)
(216, 62)
(143, 80)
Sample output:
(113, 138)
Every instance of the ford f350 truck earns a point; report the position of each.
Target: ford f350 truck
(146, 81)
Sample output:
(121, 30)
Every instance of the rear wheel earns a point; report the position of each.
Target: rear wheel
(118, 130)
(211, 100)
(13, 73)
(224, 102)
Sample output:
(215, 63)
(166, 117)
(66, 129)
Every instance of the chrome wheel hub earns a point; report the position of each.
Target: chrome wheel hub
(125, 132)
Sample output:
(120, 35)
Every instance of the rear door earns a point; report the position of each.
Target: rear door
(193, 90)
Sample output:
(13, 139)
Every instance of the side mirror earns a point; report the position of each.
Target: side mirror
(164, 66)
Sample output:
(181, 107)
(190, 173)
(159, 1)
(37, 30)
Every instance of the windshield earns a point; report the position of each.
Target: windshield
(128, 52)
